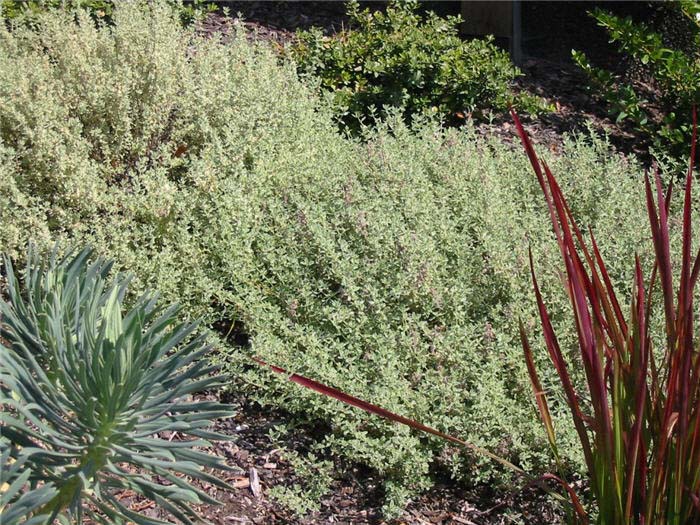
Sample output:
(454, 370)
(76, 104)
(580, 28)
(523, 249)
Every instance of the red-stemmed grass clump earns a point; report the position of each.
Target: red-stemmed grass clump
(639, 426)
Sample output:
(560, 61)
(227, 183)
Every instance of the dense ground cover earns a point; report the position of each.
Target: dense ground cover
(393, 267)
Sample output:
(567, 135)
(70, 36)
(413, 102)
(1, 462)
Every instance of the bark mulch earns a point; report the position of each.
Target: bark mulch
(355, 495)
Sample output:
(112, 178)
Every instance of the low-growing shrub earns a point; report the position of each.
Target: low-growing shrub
(400, 58)
(87, 388)
(638, 423)
(672, 71)
(13, 9)
(394, 267)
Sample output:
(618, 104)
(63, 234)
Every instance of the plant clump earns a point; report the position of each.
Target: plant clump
(400, 58)
(28, 11)
(639, 420)
(662, 114)
(87, 390)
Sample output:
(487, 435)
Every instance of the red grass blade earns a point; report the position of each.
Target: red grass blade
(334, 393)
(538, 391)
(635, 460)
(341, 396)
(659, 230)
(535, 162)
(576, 502)
(609, 292)
(580, 290)
(557, 358)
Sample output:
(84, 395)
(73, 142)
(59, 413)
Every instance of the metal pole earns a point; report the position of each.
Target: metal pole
(516, 51)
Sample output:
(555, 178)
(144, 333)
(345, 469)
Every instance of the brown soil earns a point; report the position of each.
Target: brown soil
(355, 495)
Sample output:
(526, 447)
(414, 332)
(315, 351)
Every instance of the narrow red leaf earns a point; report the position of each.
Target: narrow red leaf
(334, 393)
(581, 516)
(635, 460)
(580, 288)
(535, 162)
(663, 256)
(557, 359)
(528, 146)
(538, 391)
(609, 291)
(580, 511)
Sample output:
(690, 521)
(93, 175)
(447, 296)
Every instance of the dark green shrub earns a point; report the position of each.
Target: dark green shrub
(86, 388)
(402, 59)
(674, 73)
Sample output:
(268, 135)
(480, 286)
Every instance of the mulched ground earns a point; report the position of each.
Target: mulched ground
(355, 496)
(550, 30)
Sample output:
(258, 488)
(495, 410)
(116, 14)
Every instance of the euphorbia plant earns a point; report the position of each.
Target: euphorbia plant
(87, 387)
(639, 426)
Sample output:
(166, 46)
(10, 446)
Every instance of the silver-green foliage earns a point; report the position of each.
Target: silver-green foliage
(87, 388)
(394, 268)
(16, 503)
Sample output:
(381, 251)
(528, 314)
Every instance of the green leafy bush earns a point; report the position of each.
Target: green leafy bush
(86, 389)
(14, 9)
(673, 72)
(393, 268)
(402, 59)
